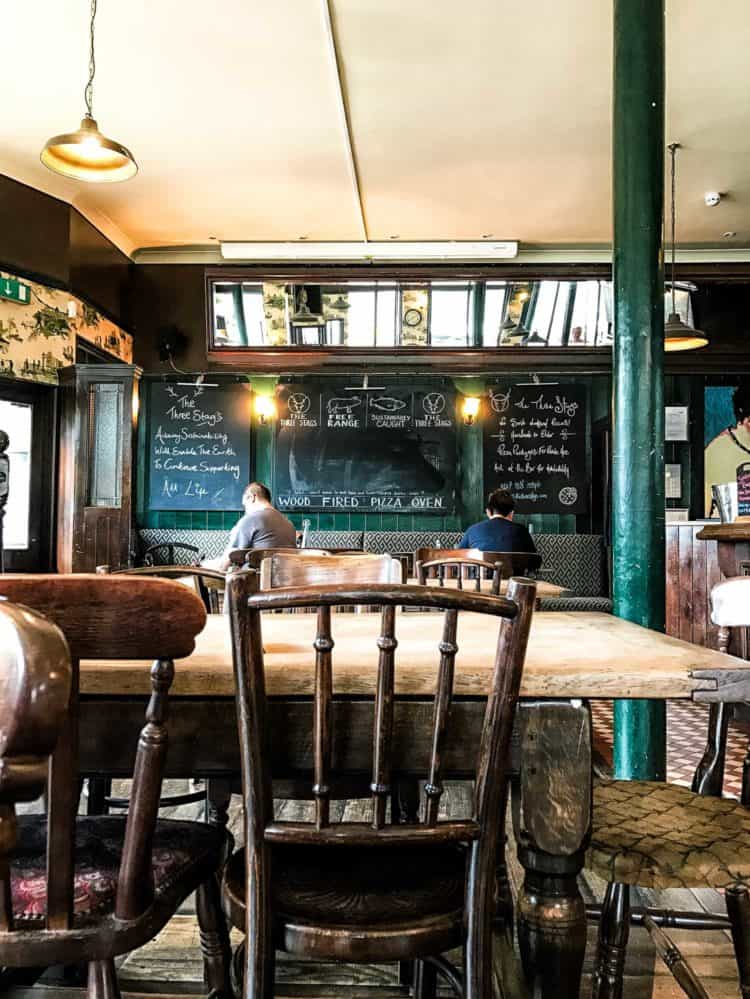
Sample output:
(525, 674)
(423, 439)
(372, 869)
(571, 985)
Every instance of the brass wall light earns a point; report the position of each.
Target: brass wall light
(678, 335)
(86, 154)
(265, 409)
(470, 409)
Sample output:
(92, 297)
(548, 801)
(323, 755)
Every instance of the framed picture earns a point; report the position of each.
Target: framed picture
(672, 481)
(676, 423)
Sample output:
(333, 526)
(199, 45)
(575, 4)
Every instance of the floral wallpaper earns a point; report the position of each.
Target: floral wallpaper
(39, 336)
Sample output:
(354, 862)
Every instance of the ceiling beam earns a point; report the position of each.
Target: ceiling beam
(343, 110)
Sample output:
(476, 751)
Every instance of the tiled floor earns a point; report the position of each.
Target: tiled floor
(686, 736)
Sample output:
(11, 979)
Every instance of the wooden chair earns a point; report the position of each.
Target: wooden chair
(730, 608)
(464, 570)
(320, 570)
(208, 583)
(81, 889)
(656, 835)
(372, 891)
(512, 563)
(171, 553)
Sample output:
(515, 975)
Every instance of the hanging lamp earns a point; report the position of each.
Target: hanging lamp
(678, 335)
(87, 154)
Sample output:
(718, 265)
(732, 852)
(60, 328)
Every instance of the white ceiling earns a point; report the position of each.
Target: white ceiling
(471, 118)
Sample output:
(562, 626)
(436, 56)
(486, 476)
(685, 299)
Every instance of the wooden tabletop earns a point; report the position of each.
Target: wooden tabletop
(571, 654)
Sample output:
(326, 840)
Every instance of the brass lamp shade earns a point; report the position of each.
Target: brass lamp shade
(88, 155)
(680, 336)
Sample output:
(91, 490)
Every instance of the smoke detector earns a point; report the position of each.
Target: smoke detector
(712, 199)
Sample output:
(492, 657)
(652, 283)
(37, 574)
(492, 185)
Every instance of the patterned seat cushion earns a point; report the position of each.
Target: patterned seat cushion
(601, 604)
(664, 836)
(178, 847)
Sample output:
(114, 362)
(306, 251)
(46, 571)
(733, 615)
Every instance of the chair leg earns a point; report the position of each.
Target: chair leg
(738, 909)
(214, 937)
(103, 980)
(425, 980)
(709, 774)
(614, 929)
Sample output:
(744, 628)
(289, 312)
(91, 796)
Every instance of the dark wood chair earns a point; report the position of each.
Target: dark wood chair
(171, 553)
(290, 570)
(463, 570)
(655, 835)
(512, 563)
(208, 583)
(372, 891)
(84, 889)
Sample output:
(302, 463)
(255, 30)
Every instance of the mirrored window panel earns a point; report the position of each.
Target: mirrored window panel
(439, 314)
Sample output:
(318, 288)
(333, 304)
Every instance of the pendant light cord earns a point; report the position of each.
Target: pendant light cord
(88, 93)
(673, 147)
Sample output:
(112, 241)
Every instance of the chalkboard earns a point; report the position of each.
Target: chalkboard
(198, 446)
(743, 491)
(391, 449)
(535, 445)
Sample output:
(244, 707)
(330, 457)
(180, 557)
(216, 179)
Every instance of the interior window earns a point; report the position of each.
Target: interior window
(450, 316)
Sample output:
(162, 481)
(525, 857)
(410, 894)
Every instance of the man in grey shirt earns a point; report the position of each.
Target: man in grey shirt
(261, 527)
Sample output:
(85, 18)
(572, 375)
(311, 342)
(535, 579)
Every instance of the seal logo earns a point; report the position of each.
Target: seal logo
(568, 495)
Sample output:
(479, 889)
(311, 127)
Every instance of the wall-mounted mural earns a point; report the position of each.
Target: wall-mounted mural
(39, 326)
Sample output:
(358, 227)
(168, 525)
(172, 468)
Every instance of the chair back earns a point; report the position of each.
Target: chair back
(110, 617)
(467, 571)
(322, 570)
(250, 558)
(207, 583)
(35, 684)
(483, 828)
(172, 553)
(514, 563)
(730, 608)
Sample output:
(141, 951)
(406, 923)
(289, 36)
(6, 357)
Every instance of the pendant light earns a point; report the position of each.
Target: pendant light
(678, 335)
(87, 154)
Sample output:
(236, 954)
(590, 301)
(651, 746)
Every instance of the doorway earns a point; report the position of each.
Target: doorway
(27, 415)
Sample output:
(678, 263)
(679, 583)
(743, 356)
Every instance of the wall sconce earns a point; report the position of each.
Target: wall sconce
(265, 408)
(470, 409)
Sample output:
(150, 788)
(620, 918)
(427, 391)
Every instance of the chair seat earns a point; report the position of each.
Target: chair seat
(659, 835)
(180, 850)
(346, 891)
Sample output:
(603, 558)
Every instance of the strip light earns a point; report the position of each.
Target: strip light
(391, 250)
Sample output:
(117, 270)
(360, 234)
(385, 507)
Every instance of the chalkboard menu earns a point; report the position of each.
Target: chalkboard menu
(385, 450)
(743, 491)
(535, 445)
(198, 446)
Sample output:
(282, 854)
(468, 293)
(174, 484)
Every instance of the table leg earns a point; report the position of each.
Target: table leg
(552, 820)
(218, 798)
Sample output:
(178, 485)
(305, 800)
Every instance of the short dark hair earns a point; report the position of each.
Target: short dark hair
(500, 501)
(741, 400)
(258, 490)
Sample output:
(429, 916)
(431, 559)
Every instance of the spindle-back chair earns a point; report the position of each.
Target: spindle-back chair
(371, 891)
(282, 570)
(467, 573)
(109, 883)
(172, 553)
(208, 583)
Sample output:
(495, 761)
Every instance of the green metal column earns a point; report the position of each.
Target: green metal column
(638, 452)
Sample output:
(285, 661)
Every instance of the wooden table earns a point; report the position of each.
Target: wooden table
(571, 656)
(543, 588)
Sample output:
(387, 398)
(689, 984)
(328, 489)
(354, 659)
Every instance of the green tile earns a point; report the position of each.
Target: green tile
(389, 522)
(167, 519)
(358, 522)
(326, 522)
(214, 520)
(199, 522)
(183, 519)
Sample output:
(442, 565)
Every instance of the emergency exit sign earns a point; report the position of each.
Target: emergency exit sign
(15, 291)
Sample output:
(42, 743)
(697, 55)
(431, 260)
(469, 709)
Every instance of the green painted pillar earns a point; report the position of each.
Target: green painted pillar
(638, 276)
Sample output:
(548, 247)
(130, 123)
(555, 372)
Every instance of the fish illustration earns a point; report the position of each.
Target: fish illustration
(341, 407)
(386, 404)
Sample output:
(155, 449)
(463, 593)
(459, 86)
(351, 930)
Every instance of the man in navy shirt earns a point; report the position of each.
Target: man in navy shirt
(498, 533)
